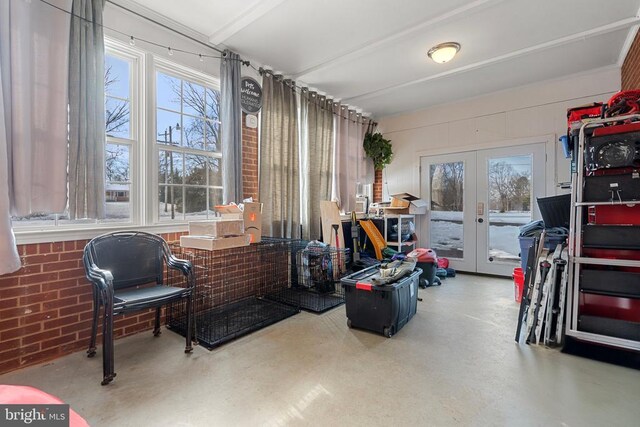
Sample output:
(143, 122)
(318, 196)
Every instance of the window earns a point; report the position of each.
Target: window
(188, 140)
(120, 141)
(176, 168)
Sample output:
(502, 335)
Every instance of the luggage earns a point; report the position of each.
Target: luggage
(382, 309)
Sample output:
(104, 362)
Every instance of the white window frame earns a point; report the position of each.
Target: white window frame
(181, 72)
(143, 157)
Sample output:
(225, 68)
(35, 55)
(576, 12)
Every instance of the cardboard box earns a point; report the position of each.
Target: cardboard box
(252, 216)
(214, 243)
(405, 203)
(217, 227)
(229, 211)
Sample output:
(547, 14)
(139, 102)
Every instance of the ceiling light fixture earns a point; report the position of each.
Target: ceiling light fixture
(444, 52)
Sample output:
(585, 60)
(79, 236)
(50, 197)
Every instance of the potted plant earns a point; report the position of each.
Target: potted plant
(378, 149)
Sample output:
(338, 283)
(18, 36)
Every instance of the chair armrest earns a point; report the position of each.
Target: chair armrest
(101, 278)
(184, 266)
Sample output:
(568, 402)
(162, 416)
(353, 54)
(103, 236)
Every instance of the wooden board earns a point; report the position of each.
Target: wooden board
(329, 215)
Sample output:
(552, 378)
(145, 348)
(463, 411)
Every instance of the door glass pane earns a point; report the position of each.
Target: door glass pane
(446, 226)
(509, 205)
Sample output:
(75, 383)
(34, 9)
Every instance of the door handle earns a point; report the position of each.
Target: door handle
(480, 220)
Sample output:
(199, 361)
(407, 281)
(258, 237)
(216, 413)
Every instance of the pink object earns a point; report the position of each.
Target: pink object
(424, 255)
(20, 394)
(443, 262)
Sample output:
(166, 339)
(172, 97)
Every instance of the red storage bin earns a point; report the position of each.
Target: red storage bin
(518, 282)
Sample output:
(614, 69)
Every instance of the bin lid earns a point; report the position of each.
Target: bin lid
(424, 255)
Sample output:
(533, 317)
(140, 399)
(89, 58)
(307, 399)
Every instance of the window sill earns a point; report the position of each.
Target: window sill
(24, 236)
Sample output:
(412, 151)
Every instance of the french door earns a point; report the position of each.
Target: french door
(478, 201)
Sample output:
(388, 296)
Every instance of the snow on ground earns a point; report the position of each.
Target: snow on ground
(447, 234)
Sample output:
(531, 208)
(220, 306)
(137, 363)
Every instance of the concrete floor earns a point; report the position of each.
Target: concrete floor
(455, 363)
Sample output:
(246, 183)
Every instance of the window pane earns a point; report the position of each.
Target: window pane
(170, 202)
(212, 135)
(196, 203)
(215, 172)
(193, 133)
(34, 220)
(116, 77)
(193, 101)
(215, 197)
(117, 118)
(509, 204)
(170, 167)
(446, 225)
(167, 92)
(118, 206)
(168, 127)
(117, 163)
(213, 105)
(195, 169)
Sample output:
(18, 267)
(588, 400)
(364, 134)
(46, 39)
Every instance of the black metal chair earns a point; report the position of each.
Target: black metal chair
(119, 265)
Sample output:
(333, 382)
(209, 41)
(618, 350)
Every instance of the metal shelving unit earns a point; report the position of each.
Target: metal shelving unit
(576, 258)
(399, 244)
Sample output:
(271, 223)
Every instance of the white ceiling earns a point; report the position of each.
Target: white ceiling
(372, 53)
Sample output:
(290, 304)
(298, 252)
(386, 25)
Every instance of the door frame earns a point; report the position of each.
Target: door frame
(549, 141)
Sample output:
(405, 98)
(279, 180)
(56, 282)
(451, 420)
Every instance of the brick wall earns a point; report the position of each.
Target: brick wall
(46, 306)
(377, 187)
(631, 66)
(249, 160)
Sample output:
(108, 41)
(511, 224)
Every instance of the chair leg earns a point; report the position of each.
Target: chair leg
(189, 346)
(107, 341)
(156, 329)
(94, 325)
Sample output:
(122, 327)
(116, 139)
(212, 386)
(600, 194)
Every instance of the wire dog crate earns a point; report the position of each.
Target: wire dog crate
(315, 277)
(231, 285)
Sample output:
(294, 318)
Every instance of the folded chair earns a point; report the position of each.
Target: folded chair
(126, 270)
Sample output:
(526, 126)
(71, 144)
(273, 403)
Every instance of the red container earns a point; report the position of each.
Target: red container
(518, 282)
(424, 255)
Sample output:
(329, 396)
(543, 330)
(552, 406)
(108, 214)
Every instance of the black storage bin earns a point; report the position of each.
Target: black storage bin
(555, 210)
(611, 327)
(608, 188)
(382, 309)
(610, 282)
(611, 236)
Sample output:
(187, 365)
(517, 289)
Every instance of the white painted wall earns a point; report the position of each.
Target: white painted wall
(533, 113)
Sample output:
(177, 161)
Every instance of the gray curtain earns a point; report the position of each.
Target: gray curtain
(279, 184)
(86, 111)
(352, 165)
(319, 157)
(34, 42)
(231, 127)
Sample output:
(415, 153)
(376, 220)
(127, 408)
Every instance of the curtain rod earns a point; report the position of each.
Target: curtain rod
(166, 27)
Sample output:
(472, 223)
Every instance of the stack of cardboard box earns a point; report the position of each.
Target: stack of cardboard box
(236, 226)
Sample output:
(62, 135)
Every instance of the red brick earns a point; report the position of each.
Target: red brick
(56, 342)
(5, 282)
(20, 332)
(69, 246)
(61, 321)
(38, 317)
(8, 303)
(8, 324)
(60, 284)
(62, 265)
(60, 302)
(9, 345)
(44, 248)
(76, 273)
(75, 255)
(38, 278)
(9, 365)
(41, 356)
(77, 308)
(30, 249)
(40, 297)
(39, 337)
(77, 327)
(57, 246)
(19, 291)
(19, 311)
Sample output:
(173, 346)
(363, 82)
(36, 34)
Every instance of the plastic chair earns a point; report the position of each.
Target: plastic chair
(118, 264)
